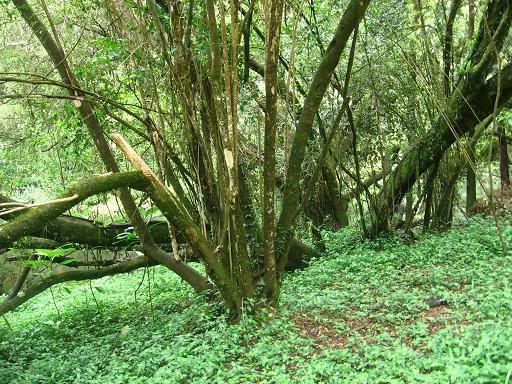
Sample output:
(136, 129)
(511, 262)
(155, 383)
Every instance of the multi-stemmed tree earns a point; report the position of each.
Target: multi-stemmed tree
(216, 216)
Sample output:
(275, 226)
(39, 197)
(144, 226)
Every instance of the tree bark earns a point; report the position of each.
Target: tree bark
(504, 159)
(272, 39)
(471, 166)
(447, 49)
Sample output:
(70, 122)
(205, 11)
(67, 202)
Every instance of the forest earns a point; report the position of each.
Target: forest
(255, 191)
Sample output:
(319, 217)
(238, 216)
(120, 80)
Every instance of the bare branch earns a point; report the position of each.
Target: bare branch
(127, 266)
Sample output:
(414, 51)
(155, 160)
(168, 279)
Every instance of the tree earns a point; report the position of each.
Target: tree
(205, 92)
(480, 92)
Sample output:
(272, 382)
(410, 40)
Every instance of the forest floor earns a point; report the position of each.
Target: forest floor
(358, 315)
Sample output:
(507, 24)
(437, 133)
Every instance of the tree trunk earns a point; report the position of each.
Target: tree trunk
(444, 210)
(504, 159)
(272, 39)
(471, 166)
(471, 176)
(321, 80)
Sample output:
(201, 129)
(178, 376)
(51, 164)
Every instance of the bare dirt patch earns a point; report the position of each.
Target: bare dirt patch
(432, 317)
(322, 334)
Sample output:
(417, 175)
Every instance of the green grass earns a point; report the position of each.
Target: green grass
(358, 315)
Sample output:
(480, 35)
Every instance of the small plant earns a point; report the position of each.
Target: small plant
(57, 255)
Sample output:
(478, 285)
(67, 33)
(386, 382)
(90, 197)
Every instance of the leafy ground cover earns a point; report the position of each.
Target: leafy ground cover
(358, 315)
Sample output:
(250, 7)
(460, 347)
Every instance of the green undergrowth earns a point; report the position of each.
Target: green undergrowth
(357, 315)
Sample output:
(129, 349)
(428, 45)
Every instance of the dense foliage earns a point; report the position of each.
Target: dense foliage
(255, 191)
(358, 315)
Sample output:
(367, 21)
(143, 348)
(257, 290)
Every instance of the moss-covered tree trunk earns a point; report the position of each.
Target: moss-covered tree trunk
(472, 100)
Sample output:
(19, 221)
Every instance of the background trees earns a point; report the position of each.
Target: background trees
(244, 118)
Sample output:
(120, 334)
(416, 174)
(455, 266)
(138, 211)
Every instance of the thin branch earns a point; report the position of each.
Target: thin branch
(128, 266)
(26, 206)
(19, 283)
